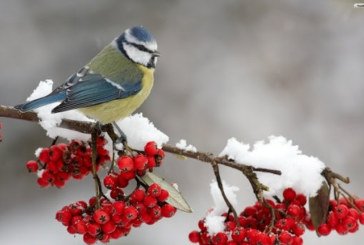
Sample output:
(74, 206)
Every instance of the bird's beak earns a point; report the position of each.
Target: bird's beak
(156, 54)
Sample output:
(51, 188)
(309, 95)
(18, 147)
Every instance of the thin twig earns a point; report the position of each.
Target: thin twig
(215, 167)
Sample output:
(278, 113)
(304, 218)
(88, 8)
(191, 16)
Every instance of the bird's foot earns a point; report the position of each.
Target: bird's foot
(122, 139)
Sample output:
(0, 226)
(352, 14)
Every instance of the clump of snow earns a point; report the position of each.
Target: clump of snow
(215, 223)
(139, 131)
(40, 173)
(214, 220)
(175, 186)
(50, 121)
(299, 171)
(37, 152)
(182, 144)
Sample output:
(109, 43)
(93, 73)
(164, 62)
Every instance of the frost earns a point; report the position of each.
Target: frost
(182, 144)
(299, 171)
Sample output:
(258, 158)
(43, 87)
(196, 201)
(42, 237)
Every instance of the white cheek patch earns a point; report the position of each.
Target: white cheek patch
(137, 55)
(131, 39)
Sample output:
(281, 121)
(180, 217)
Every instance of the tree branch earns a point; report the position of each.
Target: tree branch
(87, 127)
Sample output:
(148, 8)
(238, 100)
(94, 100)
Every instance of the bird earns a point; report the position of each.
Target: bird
(113, 84)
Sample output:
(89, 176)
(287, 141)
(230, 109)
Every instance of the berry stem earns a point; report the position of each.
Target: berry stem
(94, 135)
(215, 167)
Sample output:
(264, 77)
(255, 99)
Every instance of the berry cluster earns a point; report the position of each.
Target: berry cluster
(56, 164)
(104, 219)
(343, 217)
(132, 166)
(114, 219)
(254, 226)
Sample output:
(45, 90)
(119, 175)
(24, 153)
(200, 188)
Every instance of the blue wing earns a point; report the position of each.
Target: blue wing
(92, 89)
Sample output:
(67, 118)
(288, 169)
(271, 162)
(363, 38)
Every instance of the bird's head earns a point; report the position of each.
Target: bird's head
(138, 45)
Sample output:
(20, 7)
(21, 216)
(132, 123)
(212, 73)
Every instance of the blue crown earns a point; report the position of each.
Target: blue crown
(142, 34)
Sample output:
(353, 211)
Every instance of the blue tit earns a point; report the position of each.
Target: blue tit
(113, 84)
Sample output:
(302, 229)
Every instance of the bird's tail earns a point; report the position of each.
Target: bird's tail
(34, 104)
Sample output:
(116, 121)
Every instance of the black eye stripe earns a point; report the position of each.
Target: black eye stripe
(140, 47)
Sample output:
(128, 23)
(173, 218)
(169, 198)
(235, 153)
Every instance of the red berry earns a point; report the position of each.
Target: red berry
(341, 211)
(118, 207)
(156, 212)
(71, 229)
(230, 225)
(117, 194)
(354, 213)
(122, 182)
(105, 238)
(42, 182)
(140, 207)
(324, 230)
(125, 164)
(219, 238)
(151, 149)
(151, 162)
(108, 227)
(293, 210)
(127, 175)
(32, 166)
(117, 233)
(298, 229)
(238, 234)
(301, 199)
(64, 216)
(87, 238)
(168, 210)
(101, 217)
(44, 155)
(249, 211)
(138, 195)
(56, 153)
(110, 181)
(350, 223)
(360, 204)
(332, 219)
(93, 229)
(285, 237)
(361, 218)
(150, 201)
(81, 227)
(154, 190)
(297, 241)
(146, 218)
(289, 194)
(160, 153)
(130, 213)
(201, 225)
(163, 196)
(140, 162)
(341, 229)
(194, 236)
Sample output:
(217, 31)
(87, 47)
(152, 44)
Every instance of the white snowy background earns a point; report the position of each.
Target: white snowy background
(246, 69)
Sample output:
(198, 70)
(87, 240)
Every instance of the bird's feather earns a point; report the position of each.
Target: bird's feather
(94, 89)
(34, 104)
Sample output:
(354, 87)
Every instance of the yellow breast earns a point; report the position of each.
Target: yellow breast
(118, 109)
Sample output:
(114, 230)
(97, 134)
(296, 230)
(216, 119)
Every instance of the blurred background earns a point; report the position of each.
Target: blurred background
(244, 68)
